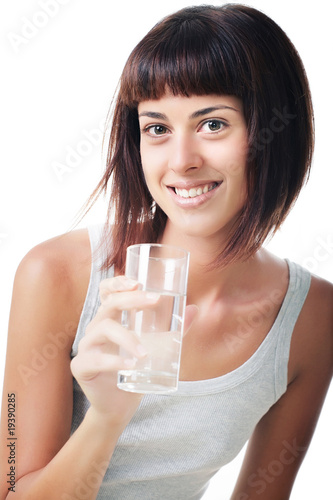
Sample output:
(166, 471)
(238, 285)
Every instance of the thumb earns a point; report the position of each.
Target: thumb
(190, 313)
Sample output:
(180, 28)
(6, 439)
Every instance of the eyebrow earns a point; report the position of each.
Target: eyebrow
(196, 114)
(207, 111)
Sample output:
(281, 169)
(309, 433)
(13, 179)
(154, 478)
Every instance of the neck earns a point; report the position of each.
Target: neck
(205, 281)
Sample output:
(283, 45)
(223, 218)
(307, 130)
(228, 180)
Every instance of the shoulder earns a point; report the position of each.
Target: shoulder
(311, 350)
(57, 269)
(59, 254)
(317, 312)
(312, 343)
(316, 316)
(320, 298)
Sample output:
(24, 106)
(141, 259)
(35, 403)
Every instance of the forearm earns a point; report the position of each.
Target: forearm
(78, 467)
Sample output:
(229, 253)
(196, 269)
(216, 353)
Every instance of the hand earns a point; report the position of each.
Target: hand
(97, 362)
(96, 365)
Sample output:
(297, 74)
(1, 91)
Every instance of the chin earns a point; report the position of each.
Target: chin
(200, 230)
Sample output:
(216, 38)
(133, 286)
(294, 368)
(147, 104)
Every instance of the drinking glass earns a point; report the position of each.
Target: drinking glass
(161, 269)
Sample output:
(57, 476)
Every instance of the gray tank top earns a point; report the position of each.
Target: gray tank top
(176, 442)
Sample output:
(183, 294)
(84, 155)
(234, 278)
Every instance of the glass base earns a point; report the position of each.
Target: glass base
(147, 382)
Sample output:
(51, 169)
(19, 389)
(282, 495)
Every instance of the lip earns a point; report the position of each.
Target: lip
(190, 184)
(197, 200)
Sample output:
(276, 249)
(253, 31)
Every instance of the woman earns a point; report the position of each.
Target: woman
(211, 143)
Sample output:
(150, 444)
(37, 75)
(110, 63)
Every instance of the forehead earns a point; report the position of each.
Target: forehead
(175, 103)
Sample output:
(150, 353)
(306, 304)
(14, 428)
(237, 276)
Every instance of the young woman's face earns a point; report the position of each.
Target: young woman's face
(193, 152)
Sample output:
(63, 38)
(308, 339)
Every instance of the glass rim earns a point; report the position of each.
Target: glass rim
(185, 253)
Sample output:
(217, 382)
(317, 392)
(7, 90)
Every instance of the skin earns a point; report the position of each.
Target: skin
(186, 151)
(191, 148)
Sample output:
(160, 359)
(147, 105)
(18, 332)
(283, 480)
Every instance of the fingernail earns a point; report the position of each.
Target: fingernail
(130, 363)
(141, 350)
(152, 296)
(128, 282)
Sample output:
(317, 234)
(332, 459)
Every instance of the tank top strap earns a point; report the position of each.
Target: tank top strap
(92, 301)
(299, 284)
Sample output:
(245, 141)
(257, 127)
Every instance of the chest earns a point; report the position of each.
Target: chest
(222, 339)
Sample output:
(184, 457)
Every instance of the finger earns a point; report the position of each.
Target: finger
(116, 284)
(191, 312)
(86, 367)
(108, 336)
(127, 300)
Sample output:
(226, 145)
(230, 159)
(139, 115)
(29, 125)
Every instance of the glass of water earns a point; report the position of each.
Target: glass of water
(161, 269)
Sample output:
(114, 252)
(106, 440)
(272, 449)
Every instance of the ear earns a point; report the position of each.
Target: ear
(190, 313)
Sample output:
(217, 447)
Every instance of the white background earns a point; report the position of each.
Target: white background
(59, 72)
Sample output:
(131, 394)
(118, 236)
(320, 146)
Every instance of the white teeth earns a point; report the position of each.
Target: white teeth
(193, 192)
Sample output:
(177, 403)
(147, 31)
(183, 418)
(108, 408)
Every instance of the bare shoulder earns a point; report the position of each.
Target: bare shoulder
(320, 297)
(317, 314)
(316, 317)
(61, 265)
(312, 343)
(311, 352)
(61, 254)
(50, 287)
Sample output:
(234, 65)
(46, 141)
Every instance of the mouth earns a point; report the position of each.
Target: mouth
(193, 192)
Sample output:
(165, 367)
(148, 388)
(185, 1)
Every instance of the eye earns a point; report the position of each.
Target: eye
(155, 130)
(213, 126)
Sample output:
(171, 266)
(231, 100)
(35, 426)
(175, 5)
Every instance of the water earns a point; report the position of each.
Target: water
(160, 329)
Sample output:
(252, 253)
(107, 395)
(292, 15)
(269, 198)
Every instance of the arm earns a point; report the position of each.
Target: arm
(282, 437)
(49, 288)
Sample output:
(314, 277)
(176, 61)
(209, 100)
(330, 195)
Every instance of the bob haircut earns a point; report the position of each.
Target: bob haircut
(231, 50)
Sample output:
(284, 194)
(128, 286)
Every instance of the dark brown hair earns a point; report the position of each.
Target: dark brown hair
(234, 50)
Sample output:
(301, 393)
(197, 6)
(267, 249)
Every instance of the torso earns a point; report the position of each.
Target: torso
(219, 340)
(224, 335)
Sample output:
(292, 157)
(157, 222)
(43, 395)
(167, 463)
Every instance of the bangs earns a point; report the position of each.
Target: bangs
(193, 57)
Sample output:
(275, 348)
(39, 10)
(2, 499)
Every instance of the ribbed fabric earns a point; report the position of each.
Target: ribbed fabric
(175, 443)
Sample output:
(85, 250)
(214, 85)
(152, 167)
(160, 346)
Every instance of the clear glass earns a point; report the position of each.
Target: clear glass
(162, 269)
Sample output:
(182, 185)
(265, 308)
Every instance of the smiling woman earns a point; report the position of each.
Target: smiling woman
(237, 53)
(211, 142)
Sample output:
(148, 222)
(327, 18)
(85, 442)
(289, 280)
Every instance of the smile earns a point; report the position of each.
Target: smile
(197, 191)
(193, 196)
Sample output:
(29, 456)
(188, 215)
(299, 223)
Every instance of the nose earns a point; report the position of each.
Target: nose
(185, 154)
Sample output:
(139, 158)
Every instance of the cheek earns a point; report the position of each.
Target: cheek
(149, 172)
(149, 161)
(153, 167)
(151, 175)
(235, 165)
(147, 167)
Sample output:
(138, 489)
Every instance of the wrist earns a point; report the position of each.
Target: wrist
(103, 423)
